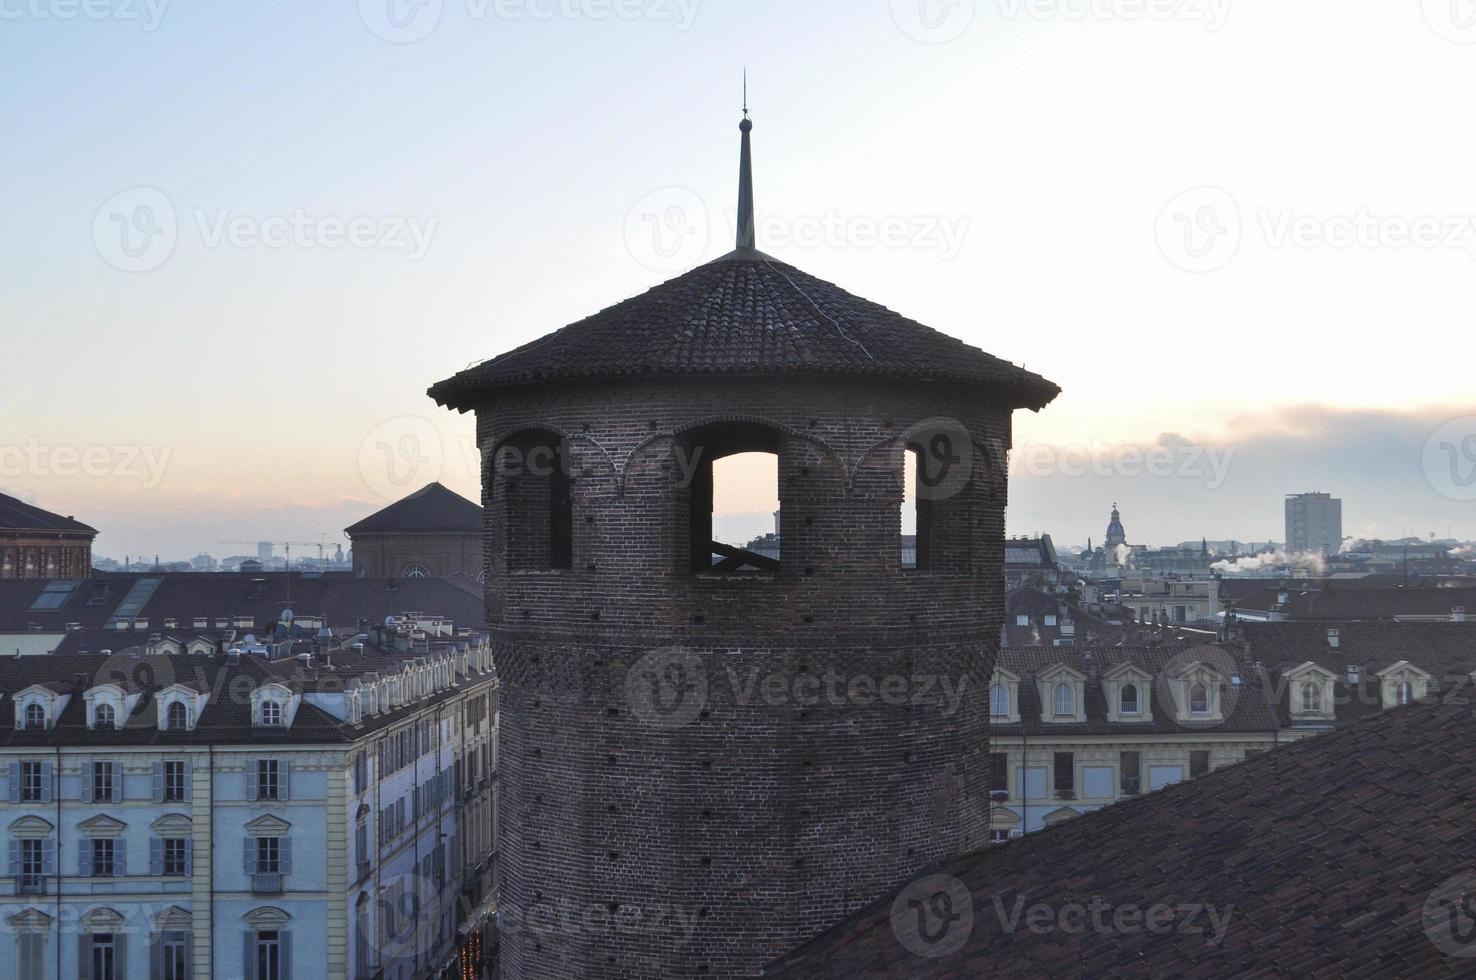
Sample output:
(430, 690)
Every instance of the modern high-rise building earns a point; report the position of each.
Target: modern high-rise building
(1314, 523)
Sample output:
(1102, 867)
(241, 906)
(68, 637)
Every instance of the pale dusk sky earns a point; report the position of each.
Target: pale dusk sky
(240, 240)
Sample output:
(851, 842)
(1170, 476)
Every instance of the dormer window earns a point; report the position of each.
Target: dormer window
(999, 701)
(105, 718)
(1050, 619)
(1404, 683)
(1199, 703)
(271, 714)
(1022, 620)
(35, 717)
(177, 717)
(1065, 701)
(1128, 700)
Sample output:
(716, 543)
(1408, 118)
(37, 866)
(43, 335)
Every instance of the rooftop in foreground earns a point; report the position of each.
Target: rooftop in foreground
(1345, 855)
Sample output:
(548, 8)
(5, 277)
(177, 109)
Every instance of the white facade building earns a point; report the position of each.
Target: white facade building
(183, 816)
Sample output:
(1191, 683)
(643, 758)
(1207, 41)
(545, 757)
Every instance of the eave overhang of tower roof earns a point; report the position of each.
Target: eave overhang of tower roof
(746, 313)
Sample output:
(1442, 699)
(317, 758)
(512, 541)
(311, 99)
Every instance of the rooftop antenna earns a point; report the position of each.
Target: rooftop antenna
(745, 177)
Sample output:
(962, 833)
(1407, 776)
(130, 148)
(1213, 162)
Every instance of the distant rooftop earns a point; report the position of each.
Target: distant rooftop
(17, 515)
(432, 508)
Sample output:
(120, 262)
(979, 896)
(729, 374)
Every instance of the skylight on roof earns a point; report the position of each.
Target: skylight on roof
(53, 596)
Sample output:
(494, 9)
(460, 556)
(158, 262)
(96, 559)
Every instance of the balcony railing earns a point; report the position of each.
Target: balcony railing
(266, 883)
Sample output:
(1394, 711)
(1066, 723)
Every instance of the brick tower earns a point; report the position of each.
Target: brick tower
(711, 751)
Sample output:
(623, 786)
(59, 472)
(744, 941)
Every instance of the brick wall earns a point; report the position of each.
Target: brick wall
(386, 555)
(683, 790)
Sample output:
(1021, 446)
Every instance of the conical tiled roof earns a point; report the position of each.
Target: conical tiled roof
(746, 313)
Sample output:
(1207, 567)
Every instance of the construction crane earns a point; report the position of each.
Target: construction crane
(287, 546)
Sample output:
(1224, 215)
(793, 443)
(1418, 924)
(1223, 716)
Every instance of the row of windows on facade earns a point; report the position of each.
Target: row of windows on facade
(1063, 700)
(33, 860)
(104, 955)
(176, 717)
(1309, 699)
(60, 563)
(33, 781)
(1064, 776)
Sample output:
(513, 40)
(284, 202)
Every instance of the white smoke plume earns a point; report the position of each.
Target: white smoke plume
(1270, 561)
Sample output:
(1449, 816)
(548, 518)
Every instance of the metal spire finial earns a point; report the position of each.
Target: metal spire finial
(745, 176)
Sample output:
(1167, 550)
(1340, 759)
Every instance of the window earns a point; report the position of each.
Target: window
(102, 857)
(1405, 693)
(1311, 697)
(30, 955)
(999, 778)
(35, 716)
(33, 788)
(1050, 619)
(533, 476)
(415, 570)
(176, 857)
(174, 956)
(1065, 781)
(177, 717)
(174, 781)
(1022, 620)
(1065, 700)
(732, 483)
(271, 713)
(105, 718)
(1128, 700)
(102, 782)
(1199, 700)
(1130, 764)
(999, 836)
(917, 512)
(268, 784)
(103, 965)
(33, 866)
(268, 961)
(269, 855)
(999, 701)
(1199, 763)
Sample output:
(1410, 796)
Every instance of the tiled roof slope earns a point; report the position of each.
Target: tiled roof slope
(339, 597)
(1248, 706)
(1324, 853)
(431, 508)
(746, 313)
(1445, 651)
(17, 515)
(226, 717)
(1366, 602)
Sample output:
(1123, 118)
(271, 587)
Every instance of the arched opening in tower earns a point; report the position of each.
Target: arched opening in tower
(734, 499)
